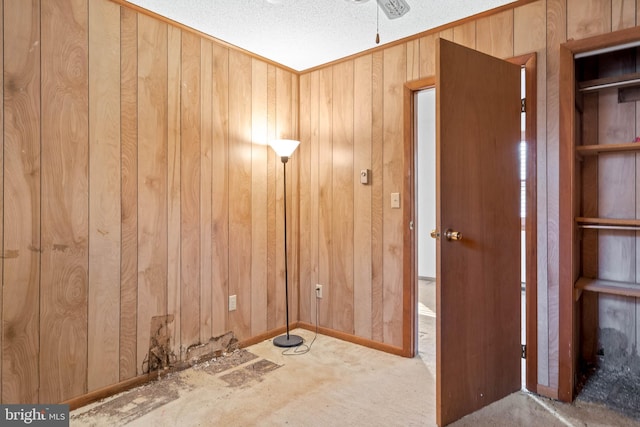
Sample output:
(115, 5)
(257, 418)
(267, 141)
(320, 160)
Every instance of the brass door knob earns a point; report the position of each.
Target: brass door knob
(453, 235)
(435, 234)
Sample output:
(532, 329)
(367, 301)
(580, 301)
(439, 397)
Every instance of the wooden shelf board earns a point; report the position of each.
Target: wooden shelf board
(624, 80)
(592, 150)
(608, 287)
(615, 222)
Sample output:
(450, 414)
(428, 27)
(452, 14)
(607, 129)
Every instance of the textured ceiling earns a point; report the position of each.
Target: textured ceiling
(302, 34)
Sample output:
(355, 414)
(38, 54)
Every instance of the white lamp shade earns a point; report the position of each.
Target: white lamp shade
(284, 147)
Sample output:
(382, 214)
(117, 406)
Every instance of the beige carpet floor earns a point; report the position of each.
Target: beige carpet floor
(335, 384)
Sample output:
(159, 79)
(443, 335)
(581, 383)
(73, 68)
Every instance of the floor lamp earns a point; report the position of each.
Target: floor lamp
(284, 148)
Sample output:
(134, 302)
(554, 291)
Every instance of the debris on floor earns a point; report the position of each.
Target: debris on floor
(225, 362)
(236, 368)
(135, 403)
(616, 388)
(255, 371)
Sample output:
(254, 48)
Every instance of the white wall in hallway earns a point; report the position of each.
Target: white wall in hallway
(426, 153)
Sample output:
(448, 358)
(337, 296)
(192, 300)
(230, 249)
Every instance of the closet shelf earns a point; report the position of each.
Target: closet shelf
(610, 287)
(592, 150)
(608, 223)
(624, 80)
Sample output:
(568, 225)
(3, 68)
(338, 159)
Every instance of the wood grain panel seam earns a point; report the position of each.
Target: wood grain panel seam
(135, 189)
(87, 360)
(1, 193)
(382, 210)
(228, 153)
(353, 198)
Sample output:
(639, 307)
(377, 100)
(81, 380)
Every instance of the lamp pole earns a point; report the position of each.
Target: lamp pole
(286, 263)
(286, 340)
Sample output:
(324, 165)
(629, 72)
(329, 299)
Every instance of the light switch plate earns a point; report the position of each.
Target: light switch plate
(232, 302)
(395, 200)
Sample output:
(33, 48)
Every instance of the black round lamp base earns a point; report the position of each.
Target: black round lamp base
(290, 341)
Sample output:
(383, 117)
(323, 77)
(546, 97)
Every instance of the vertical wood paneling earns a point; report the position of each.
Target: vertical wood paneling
(616, 172)
(285, 128)
(174, 79)
(428, 55)
(220, 192)
(618, 313)
(637, 322)
(616, 199)
(529, 28)
(314, 112)
(447, 34)
(206, 154)
(65, 133)
(377, 197)
(152, 180)
(556, 34)
(623, 14)
(306, 285)
(21, 240)
(190, 153)
(392, 173)
(465, 34)
(281, 131)
(413, 60)
(637, 240)
(495, 34)
(291, 99)
(587, 18)
(157, 189)
(588, 181)
(342, 193)
(362, 95)
(325, 160)
(259, 217)
(1, 185)
(117, 201)
(104, 188)
(273, 164)
(240, 191)
(129, 192)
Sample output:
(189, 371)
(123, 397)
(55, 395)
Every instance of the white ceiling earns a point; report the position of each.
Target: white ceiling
(302, 34)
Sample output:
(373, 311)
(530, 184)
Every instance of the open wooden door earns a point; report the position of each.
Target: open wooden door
(478, 277)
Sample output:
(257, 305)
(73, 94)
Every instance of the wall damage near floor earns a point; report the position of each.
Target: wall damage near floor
(160, 354)
(162, 357)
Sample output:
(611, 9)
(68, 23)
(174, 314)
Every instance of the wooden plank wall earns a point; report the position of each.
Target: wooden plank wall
(374, 141)
(177, 134)
(104, 182)
(65, 201)
(130, 150)
(21, 170)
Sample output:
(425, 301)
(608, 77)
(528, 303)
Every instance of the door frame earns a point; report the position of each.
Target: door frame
(410, 268)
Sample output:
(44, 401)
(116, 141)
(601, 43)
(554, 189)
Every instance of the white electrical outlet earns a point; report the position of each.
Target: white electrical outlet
(318, 291)
(232, 302)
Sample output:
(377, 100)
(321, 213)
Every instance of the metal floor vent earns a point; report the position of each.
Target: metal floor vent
(394, 8)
